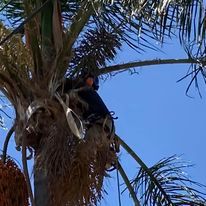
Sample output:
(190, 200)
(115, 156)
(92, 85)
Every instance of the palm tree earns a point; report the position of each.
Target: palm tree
(47, 41)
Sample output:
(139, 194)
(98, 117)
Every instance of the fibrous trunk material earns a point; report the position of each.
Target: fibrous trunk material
(68, 170)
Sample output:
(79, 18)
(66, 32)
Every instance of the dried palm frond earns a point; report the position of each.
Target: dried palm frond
(57, 27)
(31, 29)
(77, 167)
(13, 189)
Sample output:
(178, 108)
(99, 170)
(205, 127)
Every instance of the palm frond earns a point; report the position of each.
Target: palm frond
(98, 46)
(197, 69)
(2, 124)
(140, 20)
(128, 184)
(15, 68)
(4, 115)
(6, 143)
(165, 183)
(13, 10)
(176, 187)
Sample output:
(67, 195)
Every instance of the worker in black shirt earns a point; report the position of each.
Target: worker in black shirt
(96, 107)
(86, 87)
(98, 120)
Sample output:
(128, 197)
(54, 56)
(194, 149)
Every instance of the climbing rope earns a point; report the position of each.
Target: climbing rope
(118, 187)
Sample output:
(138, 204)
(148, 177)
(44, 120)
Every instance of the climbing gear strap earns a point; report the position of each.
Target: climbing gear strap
(70, 119)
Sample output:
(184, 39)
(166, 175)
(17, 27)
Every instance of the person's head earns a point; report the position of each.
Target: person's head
(91, 81)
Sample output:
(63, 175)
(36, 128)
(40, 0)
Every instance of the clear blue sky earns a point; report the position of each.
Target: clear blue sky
(156, 118)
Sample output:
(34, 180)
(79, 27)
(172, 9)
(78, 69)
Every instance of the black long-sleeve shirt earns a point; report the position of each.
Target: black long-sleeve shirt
(89, 95)
(95, 103)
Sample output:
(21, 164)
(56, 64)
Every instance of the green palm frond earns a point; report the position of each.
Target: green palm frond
(2, 124)
(162, 17)
(156, 19)
(15, 67)
(197, 69)
(165, 183)
(175, 188)
(140, 21)
(98, 46)
(137, 23)
(5, 109)
(13, 10)
(70, 37)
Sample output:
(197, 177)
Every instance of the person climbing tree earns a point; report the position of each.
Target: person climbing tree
(97, 118)
(96, 107)
(86, 87)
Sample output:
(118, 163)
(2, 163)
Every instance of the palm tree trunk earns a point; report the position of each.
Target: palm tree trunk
(41, 191)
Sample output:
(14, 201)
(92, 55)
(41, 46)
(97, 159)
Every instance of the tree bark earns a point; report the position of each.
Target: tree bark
(41, 190)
